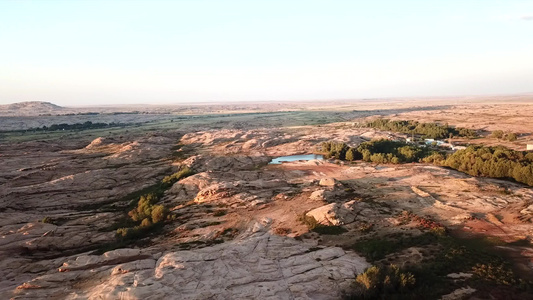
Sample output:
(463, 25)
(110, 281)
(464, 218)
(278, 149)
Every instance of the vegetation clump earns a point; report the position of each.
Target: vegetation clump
(171, 179)
(77, 126)
(382, 283)
(335, 150)
(508, 136)
(377, 151)
(428, 130)
(47, 220)
(147, 208)
(498, 273)
(423, 223)
(476, 256)
(387, 151)
(475, 160)
(147, 215)
(496, 162)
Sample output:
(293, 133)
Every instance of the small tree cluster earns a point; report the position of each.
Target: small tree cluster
(336, 150)
(429, 130)
(147, 211)
(500, 134)
(378, 151)
(148, 214)
(497, 162)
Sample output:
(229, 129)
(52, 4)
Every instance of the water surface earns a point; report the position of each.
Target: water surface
(279, 160)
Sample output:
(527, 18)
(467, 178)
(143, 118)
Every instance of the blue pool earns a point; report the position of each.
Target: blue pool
(279, 160)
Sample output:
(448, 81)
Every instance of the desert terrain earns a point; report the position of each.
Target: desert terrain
(237, 227)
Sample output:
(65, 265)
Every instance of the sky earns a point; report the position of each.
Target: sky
(162, 52)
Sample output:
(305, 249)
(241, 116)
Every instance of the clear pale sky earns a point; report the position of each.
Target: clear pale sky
(109, 52)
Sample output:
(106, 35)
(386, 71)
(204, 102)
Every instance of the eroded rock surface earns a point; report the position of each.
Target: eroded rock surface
(256, 265)
(60, 201)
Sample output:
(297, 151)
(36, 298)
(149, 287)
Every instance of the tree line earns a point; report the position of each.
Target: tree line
(77, 126)
(476, 160)
(429, 130)
(377, 151)
(497, 162)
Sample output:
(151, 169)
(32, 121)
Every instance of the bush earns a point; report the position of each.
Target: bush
(129, 233)
(434, 158)
(159, 213)
(183, 173)
(144, 207)
(498, 134)
(146, 222)
(512, 137)
(309, 221)
(335, 149)
(352, 154)
(498, 273)
(380, 283)
(47, 220)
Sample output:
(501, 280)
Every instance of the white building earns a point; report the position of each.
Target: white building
(529, 147)
(431, 141)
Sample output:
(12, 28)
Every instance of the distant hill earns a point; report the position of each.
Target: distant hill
(30, 108)
(30, 105)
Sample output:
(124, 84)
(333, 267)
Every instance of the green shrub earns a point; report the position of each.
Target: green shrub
(335, 149)
(382, 282)
(47, 220)
(159, 213)
(309, 221)
(375, 249)
(352, 154)
(183, 173)
(146, 222)
(144, 207)
(498, 273)
(129, 233)
(498, 134)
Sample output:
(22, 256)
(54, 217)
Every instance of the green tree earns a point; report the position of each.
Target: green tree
(159, 213)
(497, 134)
(512, 137)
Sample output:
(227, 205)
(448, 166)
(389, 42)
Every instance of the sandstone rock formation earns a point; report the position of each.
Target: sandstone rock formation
(256, 265)
(63, 199)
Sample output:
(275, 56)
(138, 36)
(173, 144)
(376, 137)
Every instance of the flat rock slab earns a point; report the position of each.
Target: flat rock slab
(258, 266)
